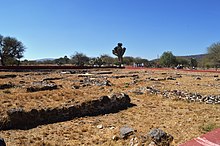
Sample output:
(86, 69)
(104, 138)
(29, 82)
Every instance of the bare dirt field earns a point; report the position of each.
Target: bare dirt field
(183, 104)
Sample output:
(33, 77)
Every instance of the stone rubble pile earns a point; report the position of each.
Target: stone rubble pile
(192, 97)
(42, 86)
(156, 137)
(181, 95)
(125, 76)
(164, 78)
(96, 82)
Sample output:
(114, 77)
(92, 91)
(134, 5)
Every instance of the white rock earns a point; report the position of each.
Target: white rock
(115, 137)
(100, 126)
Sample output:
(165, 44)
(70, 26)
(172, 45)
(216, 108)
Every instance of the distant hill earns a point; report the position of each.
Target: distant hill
(44, 59)
(197, 57)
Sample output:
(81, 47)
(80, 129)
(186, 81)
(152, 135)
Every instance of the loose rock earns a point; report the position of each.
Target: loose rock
(50, 79)
(6, 86)
(134, 141)
(96, 82)
(217, 79)
(126, 131)
(2, 142)
(170, 78)
(75, 87)
(160, 138)
(115, 137)
(99, 126)
(197, 78)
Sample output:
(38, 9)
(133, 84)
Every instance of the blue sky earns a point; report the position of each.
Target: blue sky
(147, 28)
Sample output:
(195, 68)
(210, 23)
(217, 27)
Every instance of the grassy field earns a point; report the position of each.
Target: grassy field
(183, 120)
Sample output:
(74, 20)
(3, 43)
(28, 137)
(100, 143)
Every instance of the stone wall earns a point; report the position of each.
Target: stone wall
(180, 95)
(20, 119)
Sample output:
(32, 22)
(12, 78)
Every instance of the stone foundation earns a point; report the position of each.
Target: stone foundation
(20, 119)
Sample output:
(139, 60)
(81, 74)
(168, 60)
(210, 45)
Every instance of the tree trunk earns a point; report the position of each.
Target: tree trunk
(2, 60)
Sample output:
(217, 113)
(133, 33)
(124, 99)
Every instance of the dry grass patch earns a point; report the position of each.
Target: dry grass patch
(181, 119)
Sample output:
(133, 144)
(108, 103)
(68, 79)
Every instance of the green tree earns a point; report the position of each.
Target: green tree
(62, 60)
(193, 62)
(128, 60)
(119, 52)
(108, 60)
(214, 55)
(11, 51)
(98, 61)
(168, 59)
(205, 62)
(66, 60)
(79, 59)
(182, 61)
(154, 63)
(139, 60)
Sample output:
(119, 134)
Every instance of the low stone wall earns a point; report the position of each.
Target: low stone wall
(20, 119)
(180, 95)
(6, 86)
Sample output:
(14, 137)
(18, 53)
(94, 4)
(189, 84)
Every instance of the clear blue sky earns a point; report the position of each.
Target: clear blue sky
(147, 28)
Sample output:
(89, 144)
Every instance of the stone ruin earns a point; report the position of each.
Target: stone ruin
(8, 76)
(42, 86)
(6, 86)
(180, 95)
(21, 119)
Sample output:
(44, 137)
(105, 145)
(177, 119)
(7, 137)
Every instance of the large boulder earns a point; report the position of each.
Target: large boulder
(160, 138)
(2, 142)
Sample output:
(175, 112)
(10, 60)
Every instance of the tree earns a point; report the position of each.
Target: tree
(129, 60)
(79, 59)
(66, 60)
(119, 52)
(193, 62)
(214, 54)
(11, 51)
(168, 59)
(98, 61)
(108, 60)
(62, 60)
(182, 61)
(141, 62)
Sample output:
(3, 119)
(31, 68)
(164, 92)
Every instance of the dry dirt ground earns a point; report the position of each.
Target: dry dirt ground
(183, 120)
